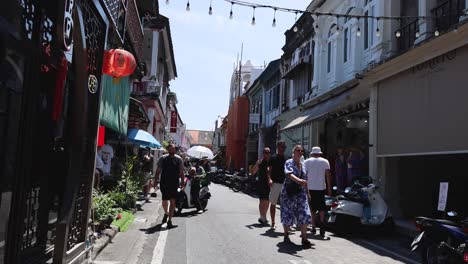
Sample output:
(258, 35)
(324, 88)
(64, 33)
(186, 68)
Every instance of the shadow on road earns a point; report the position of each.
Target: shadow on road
(187, 214)
(290, 248)
(272, 233)
(256, 225)
(155, 229)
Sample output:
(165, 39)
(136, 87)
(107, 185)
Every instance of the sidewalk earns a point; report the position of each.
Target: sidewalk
(127, 246)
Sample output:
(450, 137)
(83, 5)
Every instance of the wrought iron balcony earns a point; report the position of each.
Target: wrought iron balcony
(134, 28)
(448, 14)
(407, 36)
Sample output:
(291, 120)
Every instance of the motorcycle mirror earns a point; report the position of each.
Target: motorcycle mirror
(452, 213)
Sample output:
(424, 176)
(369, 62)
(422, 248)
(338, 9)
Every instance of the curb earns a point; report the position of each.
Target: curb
(110, 233)
(105, 240)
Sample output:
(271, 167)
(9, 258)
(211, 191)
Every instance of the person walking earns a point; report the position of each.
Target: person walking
(277, 178)
(170, 170)
(340, 169)
(294, 206)
(263, 184)
(318, 170)
(195, 189)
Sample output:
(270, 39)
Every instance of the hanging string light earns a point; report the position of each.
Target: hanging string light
(188, 6)
(210, 10)
(358, 32)
(253, 16)
(377, 30)
(398, 34)
(230, 13)
(274, 19)
(295, 29)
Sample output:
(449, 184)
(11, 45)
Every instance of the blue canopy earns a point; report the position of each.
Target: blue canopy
(143, 138)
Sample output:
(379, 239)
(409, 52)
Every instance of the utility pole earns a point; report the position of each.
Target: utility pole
(240, 70)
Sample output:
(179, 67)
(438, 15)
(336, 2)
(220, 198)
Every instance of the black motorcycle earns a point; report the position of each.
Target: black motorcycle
(442, 241)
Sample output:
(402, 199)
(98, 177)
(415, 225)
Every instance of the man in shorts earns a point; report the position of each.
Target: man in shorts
(171, 169)
(318, 171)
(277, 178)
(263, 185)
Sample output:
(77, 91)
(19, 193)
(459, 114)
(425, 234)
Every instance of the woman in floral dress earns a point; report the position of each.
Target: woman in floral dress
(295, 207)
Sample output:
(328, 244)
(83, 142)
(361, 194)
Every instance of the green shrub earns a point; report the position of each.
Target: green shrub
(104, 208)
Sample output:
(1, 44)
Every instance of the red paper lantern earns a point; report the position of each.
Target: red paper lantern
(118, 63)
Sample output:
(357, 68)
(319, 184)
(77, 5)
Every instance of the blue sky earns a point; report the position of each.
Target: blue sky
(206, 48)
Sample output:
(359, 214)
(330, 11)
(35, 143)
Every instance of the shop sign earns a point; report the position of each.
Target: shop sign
(173, 122)
(254, 118)
(65, 24)
(434, 62)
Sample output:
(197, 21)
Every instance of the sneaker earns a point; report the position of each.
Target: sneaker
(306, 244)
(200, 211)
(169, 224)
(273, 226)
(314, 231)
(164, 220)
(322, 232)
(261, 221)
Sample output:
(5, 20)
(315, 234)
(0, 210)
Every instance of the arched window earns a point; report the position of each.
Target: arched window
(347, 36)
(369, 24)
(329, 47)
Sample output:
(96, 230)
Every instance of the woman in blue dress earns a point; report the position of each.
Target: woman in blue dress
(294, 205)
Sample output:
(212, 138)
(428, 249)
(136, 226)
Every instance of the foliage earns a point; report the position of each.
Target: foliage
(104, 208)
(125, 194)
(124, 221)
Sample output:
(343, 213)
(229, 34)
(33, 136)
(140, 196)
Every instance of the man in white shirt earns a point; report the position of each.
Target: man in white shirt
(318, 180)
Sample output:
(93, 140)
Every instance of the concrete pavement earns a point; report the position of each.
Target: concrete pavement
(229, 233)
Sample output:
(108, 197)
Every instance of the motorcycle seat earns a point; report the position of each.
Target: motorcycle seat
(439, 221)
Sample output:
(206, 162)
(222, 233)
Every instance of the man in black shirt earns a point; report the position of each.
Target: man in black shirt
(277, 177)
(263, 184)
(171, 168)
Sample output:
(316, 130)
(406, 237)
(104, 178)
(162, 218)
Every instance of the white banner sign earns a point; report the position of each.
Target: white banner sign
(443, 192)
(254, 119)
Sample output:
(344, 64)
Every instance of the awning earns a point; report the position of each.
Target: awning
(321, 109)
(328, 106)
(295, 122)
(143, 138)
(114, 103)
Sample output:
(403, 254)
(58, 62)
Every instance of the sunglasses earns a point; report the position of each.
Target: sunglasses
(300, 150)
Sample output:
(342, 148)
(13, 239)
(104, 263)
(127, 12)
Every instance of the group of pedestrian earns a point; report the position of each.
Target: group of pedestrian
(299, 185)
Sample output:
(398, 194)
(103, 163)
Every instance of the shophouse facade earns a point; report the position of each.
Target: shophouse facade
(417, 97)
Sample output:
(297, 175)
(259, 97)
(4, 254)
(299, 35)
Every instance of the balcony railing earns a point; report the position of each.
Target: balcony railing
(407, 36)
(448, 14)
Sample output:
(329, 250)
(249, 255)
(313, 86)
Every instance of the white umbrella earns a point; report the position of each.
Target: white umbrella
(200, 152)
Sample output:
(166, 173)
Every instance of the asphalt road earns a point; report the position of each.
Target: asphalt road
(229, 233)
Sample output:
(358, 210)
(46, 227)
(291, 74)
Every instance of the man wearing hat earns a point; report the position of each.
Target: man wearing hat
(318, 181)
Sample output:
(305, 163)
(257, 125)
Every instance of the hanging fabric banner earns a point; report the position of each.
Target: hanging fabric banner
(114, 103)
(173, 121)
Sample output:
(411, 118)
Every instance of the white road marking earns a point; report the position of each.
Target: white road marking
(408, 260)
(299, 262)
(158, 252)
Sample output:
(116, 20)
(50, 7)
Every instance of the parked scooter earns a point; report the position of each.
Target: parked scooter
(357, 206)
(442, 241)
(184, 197)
